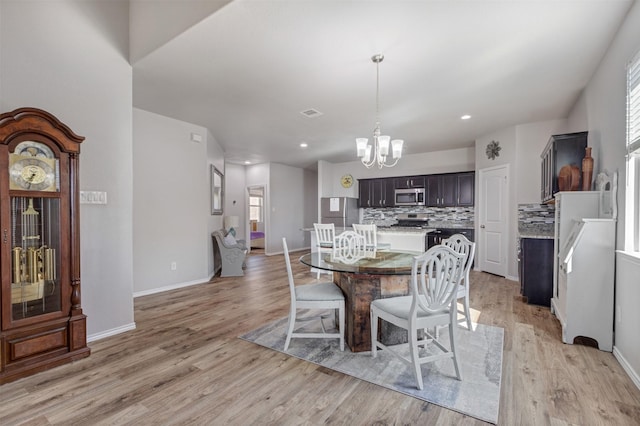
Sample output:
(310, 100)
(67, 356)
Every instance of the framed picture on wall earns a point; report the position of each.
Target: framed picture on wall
(217, 191)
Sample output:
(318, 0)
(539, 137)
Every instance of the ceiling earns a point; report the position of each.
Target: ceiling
(246, 69)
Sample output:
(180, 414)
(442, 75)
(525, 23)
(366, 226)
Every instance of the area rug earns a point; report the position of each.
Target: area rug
(479, 351)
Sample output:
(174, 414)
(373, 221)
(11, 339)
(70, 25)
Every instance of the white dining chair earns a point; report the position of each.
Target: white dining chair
(369, 232)
(461, 244)
(323, 295)
(432, 303)
(349, 247)
(325, 236)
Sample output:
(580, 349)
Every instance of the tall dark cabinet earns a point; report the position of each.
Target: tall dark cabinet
(42, 324)
(561, 150)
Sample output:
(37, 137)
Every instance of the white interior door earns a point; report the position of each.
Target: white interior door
(493, 220)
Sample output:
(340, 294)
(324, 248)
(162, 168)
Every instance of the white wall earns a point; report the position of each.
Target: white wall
(235, 198)
(215, 156)
(521, 147)
(507, 155)
(171, 200)
(602, 110)
(70, 58)
(310, 204)
(287, 207)
(531, 139)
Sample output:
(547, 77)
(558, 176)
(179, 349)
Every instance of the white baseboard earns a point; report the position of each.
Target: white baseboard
(170, 287)
(112, 332)
(627, 367)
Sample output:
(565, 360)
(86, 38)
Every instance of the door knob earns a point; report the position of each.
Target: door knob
(482, 226)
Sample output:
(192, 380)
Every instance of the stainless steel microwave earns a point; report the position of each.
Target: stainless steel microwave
(409, 197)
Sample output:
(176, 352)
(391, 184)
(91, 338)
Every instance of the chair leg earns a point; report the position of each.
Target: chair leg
(292, 323)
(452, 338)
(415, 356)
(374, 332)
(467, 312)
(341, 319)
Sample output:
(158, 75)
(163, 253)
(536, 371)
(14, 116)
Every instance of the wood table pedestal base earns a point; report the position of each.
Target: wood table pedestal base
(360, 290)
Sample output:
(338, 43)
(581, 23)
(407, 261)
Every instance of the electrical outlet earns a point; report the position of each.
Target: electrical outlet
(174, 266)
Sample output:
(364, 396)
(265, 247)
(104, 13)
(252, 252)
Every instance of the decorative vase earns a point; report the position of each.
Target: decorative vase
(587, 169)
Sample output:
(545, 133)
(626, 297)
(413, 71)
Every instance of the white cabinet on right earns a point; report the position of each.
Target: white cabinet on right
(584, 262)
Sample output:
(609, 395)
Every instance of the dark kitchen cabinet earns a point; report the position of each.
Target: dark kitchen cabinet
(450, 190)
(466, 189)
(376, 192)
(437, 236)
(561, 150)
(408, 182)
(535, 267)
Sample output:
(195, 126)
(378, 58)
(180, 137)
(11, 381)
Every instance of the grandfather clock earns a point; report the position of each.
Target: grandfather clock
(42, 321)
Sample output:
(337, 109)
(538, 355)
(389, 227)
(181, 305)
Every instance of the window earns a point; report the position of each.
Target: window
(632, 214)
(255, 209)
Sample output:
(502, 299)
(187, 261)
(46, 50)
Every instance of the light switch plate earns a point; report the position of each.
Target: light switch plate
(93, 197)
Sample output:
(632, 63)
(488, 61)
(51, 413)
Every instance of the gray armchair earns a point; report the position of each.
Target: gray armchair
(232, 257)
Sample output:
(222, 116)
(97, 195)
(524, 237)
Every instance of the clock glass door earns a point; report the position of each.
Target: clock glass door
(35, 256)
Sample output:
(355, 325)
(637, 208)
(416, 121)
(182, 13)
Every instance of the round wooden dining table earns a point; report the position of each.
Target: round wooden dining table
(388, 274)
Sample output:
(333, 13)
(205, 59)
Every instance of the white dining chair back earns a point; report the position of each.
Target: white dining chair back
(461, 244)
(323, 295)
(369, 232)
(434, 275)
(349, 247)
(325, 236)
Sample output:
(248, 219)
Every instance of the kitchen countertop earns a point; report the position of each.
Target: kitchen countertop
(383, 229)
(451, 225)
(536, 231)
(404, 229)
(534, 234)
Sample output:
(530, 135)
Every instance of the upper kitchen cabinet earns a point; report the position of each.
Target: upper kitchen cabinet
(376, 192)
(450, 190)
(562, 151)
(408, 182)
(466, 189)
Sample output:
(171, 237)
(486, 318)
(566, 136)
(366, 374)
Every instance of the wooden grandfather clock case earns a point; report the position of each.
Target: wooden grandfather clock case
(42, 324)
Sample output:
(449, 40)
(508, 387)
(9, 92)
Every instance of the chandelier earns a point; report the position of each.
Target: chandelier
(380, 146)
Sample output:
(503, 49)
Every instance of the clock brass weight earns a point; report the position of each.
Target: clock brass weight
(32, 167)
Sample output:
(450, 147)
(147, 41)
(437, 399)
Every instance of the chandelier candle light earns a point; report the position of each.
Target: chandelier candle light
(380, 142)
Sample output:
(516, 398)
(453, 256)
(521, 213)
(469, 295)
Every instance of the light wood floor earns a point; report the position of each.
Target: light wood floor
(185, 365)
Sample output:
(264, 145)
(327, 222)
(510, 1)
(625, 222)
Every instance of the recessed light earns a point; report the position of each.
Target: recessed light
(465, 117)
(247, 162)
(303, 145)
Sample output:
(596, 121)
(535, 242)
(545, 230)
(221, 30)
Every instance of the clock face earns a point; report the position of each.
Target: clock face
(32, 174)
(346, 181)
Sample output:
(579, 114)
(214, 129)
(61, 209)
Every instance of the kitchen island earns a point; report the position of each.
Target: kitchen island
(404, 238)
(398, 238)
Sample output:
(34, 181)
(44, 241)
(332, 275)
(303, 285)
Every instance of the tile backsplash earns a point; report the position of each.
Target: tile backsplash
(536, 218)
(387, 216)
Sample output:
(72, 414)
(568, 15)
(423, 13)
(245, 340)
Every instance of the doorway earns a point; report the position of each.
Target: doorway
(257, 237)
(493, 220)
